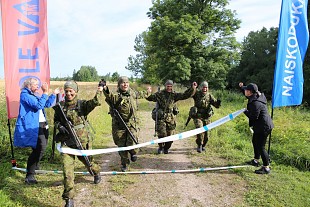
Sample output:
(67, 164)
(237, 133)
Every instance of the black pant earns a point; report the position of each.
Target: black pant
(38, 152)
(259, 141)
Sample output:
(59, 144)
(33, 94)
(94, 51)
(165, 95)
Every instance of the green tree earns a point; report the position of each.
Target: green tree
(187, 40)
(74, 75)
(115, 77)
(257, 60)
(86, 73)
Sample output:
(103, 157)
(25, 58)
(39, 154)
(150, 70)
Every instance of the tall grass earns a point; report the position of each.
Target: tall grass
(287, 185)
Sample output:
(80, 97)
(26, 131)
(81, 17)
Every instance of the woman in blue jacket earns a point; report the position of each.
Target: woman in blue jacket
(31, 129)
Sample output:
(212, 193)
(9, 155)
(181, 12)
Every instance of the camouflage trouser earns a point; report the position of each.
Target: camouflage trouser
(202, 138)
(122, 139)
(68, 172)
(164, 129)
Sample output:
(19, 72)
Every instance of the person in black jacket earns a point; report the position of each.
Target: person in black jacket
(261, 124)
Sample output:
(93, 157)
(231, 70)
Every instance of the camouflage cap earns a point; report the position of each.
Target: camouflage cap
(71, 84)
(169, 82)
(122, 79)
(204, 84)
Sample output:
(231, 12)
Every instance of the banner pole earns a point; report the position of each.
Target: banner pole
(54, 135)
(269, 141)
(13, 161)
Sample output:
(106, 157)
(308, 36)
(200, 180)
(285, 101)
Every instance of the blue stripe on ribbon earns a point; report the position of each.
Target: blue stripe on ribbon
(180, 136)
(202, 169)
(113, 173)
(173, 171)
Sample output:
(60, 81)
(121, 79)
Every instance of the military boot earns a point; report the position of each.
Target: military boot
(159, 150)
(123, 167)
(30, 180)
(133, 158)
(199, 148)
(69, 203)
(97, 178)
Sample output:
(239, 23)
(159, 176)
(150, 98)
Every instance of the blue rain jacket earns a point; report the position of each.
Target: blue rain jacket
(27, 123)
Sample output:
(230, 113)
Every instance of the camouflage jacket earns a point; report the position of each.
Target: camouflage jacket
(76, 112)
(204, 103)
(125, 103)
(166, 100)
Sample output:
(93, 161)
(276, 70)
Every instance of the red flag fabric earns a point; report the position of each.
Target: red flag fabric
(25, 47)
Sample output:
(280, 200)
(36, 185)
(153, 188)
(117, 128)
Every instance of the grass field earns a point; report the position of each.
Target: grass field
(287, 185)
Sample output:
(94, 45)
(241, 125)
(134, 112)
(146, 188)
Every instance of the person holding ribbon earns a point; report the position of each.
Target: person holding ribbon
(261, 124)
(31, 129)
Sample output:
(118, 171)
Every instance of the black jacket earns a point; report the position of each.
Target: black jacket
(258, 115)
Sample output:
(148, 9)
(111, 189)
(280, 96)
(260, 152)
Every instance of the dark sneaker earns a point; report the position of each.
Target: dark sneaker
(123, 168)
(69, 203)
(97, 178)
(203, 149)
(263, 170)
(199, 149)
(159, 151)
(133, 158)
(253, 162)
(166, 151)
(30, 180)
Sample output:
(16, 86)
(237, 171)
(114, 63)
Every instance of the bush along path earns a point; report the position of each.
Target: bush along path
(212, 188)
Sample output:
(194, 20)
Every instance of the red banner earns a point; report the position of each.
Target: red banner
(25, 47)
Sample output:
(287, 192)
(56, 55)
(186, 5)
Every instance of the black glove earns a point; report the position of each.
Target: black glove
(102, 83)
(219, 102)
(107, 90)
(62, 130)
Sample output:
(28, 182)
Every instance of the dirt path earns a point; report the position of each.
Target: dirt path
(213, 188)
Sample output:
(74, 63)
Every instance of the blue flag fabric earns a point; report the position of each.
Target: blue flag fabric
(293, 38)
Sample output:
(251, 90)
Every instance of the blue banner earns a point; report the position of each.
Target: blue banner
(293, 38)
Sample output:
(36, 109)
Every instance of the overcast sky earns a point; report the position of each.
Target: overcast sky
(102, 33)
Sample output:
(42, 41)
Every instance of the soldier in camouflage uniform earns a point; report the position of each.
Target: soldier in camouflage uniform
(167, 111)
(124, 101)
(201, 113)
(76, 112)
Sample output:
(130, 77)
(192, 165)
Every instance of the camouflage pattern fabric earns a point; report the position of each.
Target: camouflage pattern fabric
(76, 115)
(68, 166)
(166, 123)
(125, 103)
(203, 138)
(203, 103)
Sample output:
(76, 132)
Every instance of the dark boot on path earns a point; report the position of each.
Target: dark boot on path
(199, 148)
(69, 203)
(124, 168)
(97, 179)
